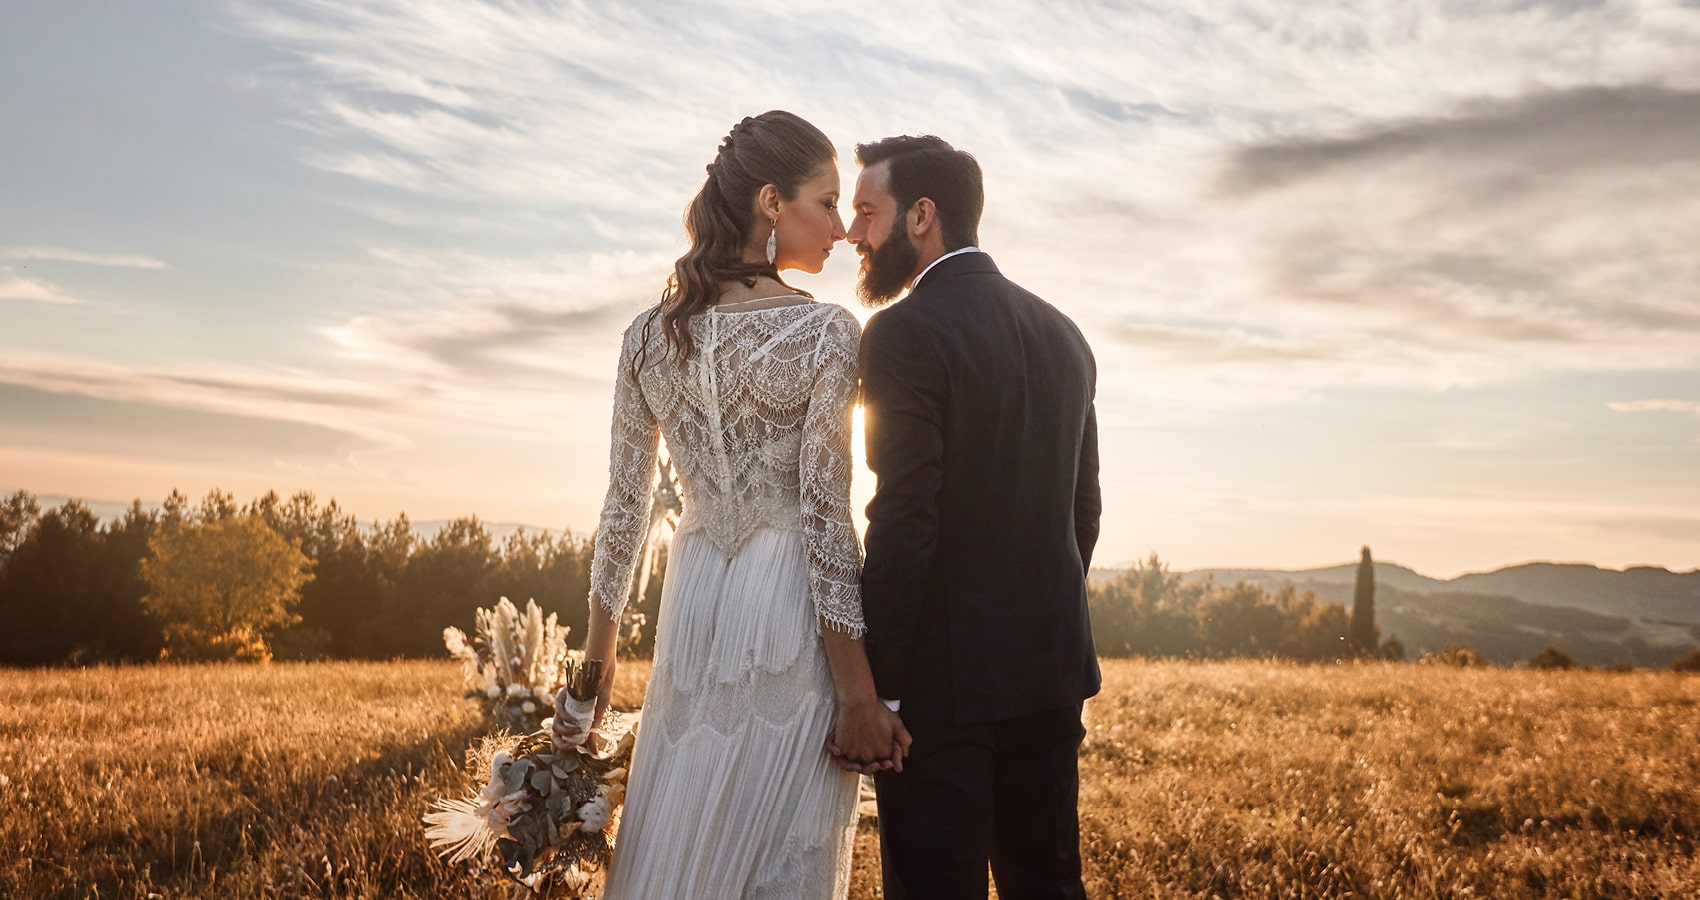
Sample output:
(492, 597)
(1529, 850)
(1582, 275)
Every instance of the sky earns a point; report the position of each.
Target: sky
(1408, 274)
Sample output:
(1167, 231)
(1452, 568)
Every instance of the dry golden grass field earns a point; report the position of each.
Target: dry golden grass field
(1236, 779)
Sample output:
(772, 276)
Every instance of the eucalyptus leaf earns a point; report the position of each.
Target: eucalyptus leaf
(517, 773)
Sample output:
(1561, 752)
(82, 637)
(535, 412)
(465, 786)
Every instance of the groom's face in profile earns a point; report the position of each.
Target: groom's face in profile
(880, 234)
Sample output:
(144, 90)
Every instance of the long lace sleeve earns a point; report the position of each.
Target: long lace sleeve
(835, 554)
(631, 481)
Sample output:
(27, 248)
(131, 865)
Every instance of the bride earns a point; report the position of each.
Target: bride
(759, 661)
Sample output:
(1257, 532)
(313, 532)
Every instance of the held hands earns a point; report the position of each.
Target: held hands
(869, 738)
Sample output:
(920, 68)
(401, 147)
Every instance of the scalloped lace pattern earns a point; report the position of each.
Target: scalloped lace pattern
(757, 422)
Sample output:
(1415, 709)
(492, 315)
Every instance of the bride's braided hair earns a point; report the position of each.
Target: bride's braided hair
(776, 148)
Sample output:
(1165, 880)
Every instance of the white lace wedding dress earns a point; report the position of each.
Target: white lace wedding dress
(731, 793)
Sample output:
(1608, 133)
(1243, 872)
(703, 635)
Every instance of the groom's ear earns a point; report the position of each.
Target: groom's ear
(923, 217)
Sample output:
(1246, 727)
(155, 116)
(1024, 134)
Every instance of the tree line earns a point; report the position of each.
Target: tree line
(1148, 610)
(213, 580)
(297, 579)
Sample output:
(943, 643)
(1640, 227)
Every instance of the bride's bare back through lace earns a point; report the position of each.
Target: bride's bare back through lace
(757, 422)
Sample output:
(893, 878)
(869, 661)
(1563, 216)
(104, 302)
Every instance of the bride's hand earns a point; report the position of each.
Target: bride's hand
(867, 738)
(572, 727)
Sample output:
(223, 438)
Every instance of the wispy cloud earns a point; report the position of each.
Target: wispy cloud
(1550, 135)
(85, 423)
(1511, 239)
(477, 321)
(1264, 200)
(323, 404)
(61, 254)
(1689, 407)
(14, 286)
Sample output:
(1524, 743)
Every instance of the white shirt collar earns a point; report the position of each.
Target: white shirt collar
(929, 268)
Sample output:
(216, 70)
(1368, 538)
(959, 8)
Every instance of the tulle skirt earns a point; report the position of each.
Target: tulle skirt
(732, 794)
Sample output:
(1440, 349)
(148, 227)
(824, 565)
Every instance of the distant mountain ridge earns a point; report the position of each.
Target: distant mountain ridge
(1390, 574)
(1641, 592)
(1645, 592)
(1642, 615)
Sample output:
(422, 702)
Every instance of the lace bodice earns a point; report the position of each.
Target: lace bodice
(757, 423)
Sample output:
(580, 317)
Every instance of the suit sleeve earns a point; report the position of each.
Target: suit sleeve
(904, 390)
(1088, 500)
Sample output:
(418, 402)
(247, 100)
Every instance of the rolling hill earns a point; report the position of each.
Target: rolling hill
(1641, 616)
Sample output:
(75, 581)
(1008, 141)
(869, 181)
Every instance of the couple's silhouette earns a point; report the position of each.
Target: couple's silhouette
(952, 661)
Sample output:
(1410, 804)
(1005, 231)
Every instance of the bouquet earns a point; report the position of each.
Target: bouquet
(515, 662)
(548, 811)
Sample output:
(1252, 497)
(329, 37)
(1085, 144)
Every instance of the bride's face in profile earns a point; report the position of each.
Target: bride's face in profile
(809, 224)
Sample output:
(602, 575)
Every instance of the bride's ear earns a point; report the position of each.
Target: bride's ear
(767, 202)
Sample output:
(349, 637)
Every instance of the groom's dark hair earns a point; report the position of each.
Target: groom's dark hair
(927, 166)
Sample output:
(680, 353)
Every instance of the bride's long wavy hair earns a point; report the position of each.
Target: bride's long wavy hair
(776, 148)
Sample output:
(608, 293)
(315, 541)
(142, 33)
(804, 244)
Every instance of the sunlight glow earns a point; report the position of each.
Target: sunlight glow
(862, 479)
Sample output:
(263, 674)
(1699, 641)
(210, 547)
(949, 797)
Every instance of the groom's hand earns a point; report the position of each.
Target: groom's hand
(888, 741)
(900, 742)
(864, 736)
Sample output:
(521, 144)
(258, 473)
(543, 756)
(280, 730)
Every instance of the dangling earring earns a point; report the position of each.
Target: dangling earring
(773, 242)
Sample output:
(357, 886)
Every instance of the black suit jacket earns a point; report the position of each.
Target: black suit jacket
(978, 409)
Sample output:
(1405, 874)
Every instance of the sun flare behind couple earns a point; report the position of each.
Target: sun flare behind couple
(952, 661)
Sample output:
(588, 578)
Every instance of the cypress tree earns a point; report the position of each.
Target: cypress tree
(1363, 606)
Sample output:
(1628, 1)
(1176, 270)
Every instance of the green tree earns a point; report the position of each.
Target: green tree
(120, 627)
(1320, 634)
(1115, 610)
(1240, 620)
(445, 580)
(1364, 633)
(223, 587)
(50, 576)
(1463, 656)
(388, 550)
(343, 603)
(69, 592)
(1551, 658)
(1147, 610)
(554, 571)
(18, 515)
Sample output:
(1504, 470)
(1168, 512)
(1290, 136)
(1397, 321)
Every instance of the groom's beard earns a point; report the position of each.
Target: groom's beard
(889, 268)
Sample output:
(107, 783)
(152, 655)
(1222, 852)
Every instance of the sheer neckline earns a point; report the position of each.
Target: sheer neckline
(721, 308)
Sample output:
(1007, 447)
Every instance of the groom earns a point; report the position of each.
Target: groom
(980, 427)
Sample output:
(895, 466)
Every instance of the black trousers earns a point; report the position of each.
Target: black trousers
(1004, 791)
